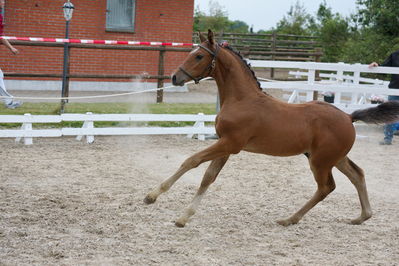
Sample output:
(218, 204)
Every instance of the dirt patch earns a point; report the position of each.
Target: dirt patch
(67, 202)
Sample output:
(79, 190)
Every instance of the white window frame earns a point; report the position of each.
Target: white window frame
(109, 26)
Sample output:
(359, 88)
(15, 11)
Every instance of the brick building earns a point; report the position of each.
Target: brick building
(137, 20)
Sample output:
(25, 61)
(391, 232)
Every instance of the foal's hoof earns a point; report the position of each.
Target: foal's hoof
(360, 220)
(180, 224)
(287, 222)
(149, 199)
(356, 221)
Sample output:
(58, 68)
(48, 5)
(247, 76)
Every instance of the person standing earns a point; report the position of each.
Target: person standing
(391, 61)
(9, 101)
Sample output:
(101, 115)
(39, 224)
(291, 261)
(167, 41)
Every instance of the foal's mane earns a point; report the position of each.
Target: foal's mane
(248, 66)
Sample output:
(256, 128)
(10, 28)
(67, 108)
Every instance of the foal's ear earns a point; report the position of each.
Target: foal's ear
(201, 36)
(210, 37)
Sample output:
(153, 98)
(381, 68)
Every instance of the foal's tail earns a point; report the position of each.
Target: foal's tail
(387, 112)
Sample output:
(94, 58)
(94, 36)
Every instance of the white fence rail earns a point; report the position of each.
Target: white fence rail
(88, 129)
(339, 82)
(345, 78)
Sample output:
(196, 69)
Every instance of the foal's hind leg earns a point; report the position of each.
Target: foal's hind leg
(209, 177)
(356, 176)
(325, 185)
(217, 150)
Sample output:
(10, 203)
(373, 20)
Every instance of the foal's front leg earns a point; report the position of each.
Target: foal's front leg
(209, 177)
(217, 150)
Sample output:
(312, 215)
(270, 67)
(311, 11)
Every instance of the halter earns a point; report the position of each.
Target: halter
(209, 69)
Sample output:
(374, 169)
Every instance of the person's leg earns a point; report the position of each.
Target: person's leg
(396, 129)
(393, 98)
(388, 134)
(8, 101)
(389, 129)
(3, 91)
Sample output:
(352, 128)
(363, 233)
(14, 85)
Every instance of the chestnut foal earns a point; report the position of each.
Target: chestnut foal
(253, 121)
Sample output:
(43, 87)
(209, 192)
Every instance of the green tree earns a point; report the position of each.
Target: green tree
(333, 31)
(333, 36)
(367, 46)
(296, 21)
(375, 33)
(217, 19)
(238, 26)
(380, 15)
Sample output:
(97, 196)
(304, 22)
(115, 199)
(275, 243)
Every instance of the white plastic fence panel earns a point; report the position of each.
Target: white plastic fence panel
(323, 66)
(28, 118)
(26, 132)
(299, 74)
(89, 131)
(331, 87)
(138, 117)
(18, 133)
(137, 131)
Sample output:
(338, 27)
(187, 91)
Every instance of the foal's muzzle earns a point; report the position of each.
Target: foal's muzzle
(178, 79)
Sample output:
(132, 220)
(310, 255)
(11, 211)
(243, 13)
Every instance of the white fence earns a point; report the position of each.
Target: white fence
(338, 81)
(342, 79)
(88, 130)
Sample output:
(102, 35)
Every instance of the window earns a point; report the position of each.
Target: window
(120, 15)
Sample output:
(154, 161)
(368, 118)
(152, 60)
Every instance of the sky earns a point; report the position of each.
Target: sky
(264, 14)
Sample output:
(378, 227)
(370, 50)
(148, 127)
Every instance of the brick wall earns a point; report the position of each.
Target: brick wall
(156, 20)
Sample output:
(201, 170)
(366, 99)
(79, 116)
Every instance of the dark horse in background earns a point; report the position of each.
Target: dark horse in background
(253, 121)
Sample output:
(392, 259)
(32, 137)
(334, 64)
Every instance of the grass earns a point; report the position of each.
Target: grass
(107, 108)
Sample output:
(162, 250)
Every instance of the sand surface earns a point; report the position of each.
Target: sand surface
(64, 202)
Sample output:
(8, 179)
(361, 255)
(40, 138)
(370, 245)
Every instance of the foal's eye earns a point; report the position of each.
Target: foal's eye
(199, 57)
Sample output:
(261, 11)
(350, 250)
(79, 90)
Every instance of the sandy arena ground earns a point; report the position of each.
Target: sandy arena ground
(64, 202)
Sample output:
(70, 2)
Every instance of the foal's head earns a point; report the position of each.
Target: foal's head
(200, 63)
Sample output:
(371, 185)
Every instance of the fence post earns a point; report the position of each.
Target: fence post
(65, 71)
(26, 127)
(221, 35)
(317, 74)
(340, 78)
(273, 46)
(247, 51)
(311, 79)
(356, 80)
(200, 124)
(161, 71)
(87, 124)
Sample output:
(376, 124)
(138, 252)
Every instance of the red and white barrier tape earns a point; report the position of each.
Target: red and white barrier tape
(35, 39)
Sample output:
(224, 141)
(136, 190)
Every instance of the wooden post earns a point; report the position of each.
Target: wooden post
(273, 46)
(317, 77)
(221, 35)
(161, 71)
(65, 77)
(247, 51)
